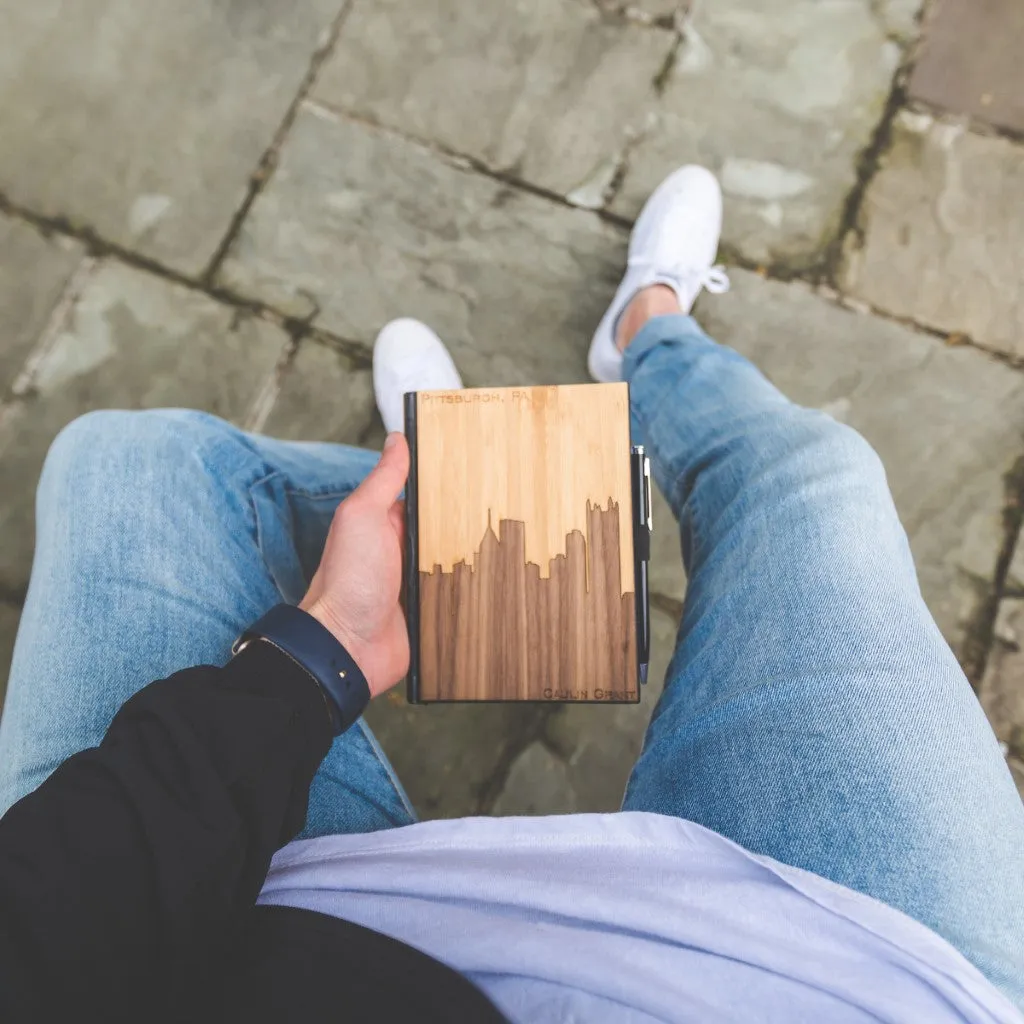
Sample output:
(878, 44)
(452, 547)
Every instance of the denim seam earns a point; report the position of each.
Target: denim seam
(266, 479)
(696, 517)
(319, 496)
(261, 482)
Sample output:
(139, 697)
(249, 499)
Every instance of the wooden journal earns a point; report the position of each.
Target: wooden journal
(527, 534)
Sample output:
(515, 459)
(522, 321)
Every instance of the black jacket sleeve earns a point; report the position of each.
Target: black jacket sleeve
(132, 866)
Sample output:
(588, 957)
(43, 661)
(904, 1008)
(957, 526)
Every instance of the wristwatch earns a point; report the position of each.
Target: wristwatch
(312, 647)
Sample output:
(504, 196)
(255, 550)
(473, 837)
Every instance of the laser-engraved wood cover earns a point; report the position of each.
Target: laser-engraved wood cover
(520, 506)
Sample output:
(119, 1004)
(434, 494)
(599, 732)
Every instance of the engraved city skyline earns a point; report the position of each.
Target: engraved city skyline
(536, 455)
(544, 567)
(494, 627)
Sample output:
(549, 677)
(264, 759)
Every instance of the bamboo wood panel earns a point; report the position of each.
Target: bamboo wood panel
(526, 571)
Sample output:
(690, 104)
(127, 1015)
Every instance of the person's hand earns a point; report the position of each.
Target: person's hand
(355, 592)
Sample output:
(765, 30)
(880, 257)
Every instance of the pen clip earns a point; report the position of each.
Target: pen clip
(648, 503)
(642, 520)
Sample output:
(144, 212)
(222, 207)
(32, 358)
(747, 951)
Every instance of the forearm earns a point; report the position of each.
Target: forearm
(129, 866)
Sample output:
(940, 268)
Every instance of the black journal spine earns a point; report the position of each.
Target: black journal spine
(412, 552)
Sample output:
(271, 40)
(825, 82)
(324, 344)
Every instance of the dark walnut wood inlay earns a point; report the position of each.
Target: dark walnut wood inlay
(497, 630)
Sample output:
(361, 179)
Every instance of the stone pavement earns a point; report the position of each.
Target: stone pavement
(219, 204)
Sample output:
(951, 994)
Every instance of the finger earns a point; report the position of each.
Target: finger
(386, 480)
(396, 514)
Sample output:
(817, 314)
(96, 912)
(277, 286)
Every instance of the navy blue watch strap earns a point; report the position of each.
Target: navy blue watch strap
(312, 646)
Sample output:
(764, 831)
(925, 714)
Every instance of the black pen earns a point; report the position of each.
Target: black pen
(642, 528)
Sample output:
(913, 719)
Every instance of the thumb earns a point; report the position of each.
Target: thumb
(385, 481)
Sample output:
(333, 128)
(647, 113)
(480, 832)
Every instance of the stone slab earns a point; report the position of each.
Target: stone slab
(1015, 572)
(450, 756)
(599, 745)
(131, 341)
(1002, 689)
(538, 783)
(643, 12)
(900, 18)
(323, 396)
(943, 233)
(33, 273)
(1017, 771)
(947, 421)
(143, 122)
(779, 98)
(546, 90)
(970, 62)
(9, 618)
(365, 226)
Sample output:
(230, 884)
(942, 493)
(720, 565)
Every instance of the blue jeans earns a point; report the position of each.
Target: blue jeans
(812, 712)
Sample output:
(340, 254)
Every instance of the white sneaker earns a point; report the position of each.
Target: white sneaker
(409, 356)
(674, 243)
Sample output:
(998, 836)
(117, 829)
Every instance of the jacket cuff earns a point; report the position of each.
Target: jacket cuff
(265, 670)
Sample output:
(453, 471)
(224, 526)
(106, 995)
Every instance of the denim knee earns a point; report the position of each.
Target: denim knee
(807, 444)
(118, 449)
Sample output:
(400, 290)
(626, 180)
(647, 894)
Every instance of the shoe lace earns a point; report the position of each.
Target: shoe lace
(713, 279)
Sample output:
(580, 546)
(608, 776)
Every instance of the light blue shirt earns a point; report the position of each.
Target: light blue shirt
(634, 918)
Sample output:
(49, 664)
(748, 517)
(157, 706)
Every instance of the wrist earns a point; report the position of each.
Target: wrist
(315, 648)
(348, 638)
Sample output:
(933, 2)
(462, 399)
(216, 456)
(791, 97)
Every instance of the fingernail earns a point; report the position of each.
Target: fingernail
(391, 440)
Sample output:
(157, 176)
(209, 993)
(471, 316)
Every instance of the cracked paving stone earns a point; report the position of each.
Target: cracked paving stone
(9, 618)
(779, 98)
(970, 61)
(946, 421)
(1017, 771)
(323, 396)
(538, 783)
(447, 755)
(33, 274)
(144, 122)
(943, 233)
(368, 226)
(1002, 689)
(1015, 572)
(131, 341)
(641, 11)
(900, 18)
(548, 91)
